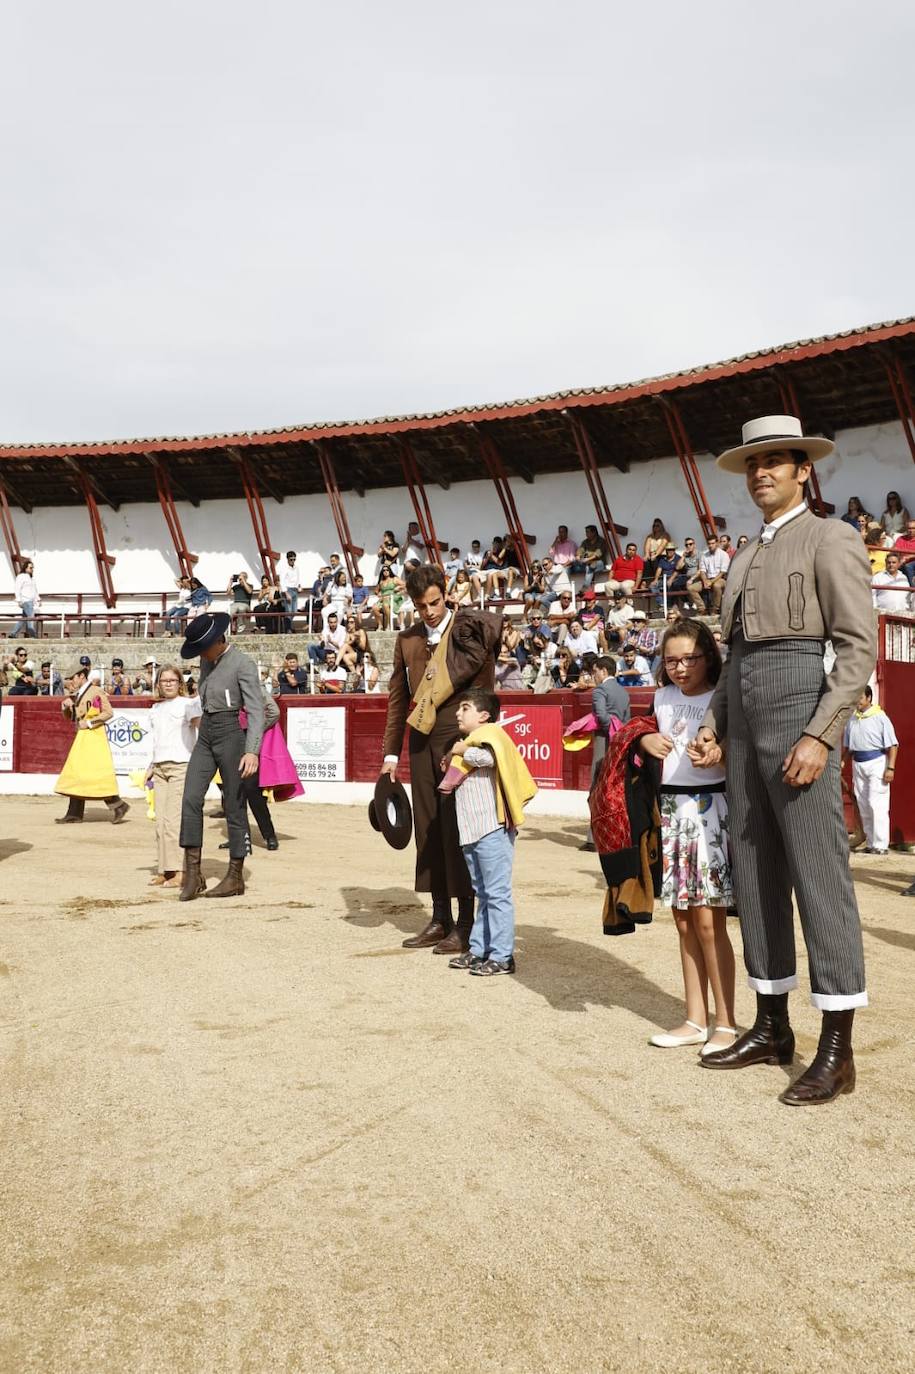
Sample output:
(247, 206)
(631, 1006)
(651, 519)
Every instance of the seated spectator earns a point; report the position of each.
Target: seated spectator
(201, 597)
(534, 589)
(565, 671)
(620, 611)
(905, 547)
(413, 548)
(512, 641)
(580, 641)
(641, 636)
(877, 547)
(724, 544)
(590, 556)
(332, 677)
(452, 566)
(500, 575)
(626, 571)
(895, 517)
(371, 675)
(722, 647)
(333, 638)
(741, 540)
(655, 544)
(535, 629)
(714, 566)
(854, 513)
(391, 598)
(562, 551)
(176, 616)
(145, 681)
(632, 670)
(48, 682)
(24, 684)
(591, 614)
(339, 597)
(321, 583)
(557, 580)
(508, 671)
(531, 671)
(461, 593)
(360, 595)
(669, 568)
(891, 588)
(269, 609)
(389, 552)
(120, 683)
(240, 592)
(292, 680)
(473, 562)
(674, 614)
(17, 665)
(355, 645)
(561, 612)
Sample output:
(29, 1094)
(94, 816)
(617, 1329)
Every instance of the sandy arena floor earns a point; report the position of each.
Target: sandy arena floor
(257, 1135)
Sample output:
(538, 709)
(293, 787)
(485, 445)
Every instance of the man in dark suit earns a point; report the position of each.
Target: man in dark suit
(443, 654)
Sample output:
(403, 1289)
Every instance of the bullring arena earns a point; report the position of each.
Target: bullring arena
(259, 1134)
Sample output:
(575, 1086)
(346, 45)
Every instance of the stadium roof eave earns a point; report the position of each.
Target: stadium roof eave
(612, 396)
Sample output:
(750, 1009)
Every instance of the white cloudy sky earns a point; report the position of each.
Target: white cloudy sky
(224, 215)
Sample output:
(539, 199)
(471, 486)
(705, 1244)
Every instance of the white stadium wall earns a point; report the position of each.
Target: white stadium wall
(868, 463)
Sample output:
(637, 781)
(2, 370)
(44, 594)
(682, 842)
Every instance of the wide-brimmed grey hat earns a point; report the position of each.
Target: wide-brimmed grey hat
(774, 432)
(203, 631)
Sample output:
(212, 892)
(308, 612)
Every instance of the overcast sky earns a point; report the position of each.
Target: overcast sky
(221, 215)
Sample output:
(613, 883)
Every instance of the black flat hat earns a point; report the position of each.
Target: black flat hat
(390, 813)
(203, 631)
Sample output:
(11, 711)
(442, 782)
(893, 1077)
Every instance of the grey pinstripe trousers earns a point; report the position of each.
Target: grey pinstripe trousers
(785, 838)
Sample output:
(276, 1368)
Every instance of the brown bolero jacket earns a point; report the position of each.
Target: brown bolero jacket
(813, 581)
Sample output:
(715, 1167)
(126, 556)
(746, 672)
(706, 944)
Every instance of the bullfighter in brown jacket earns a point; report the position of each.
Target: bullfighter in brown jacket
(447, 652)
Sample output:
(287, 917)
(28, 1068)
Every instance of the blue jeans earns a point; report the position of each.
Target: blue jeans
(489, 862)
(317, 653)
(590, 570)
(26, 621)
(172, 617)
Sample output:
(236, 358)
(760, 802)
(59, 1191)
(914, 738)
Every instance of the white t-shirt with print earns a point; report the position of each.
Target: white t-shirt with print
(680, 717)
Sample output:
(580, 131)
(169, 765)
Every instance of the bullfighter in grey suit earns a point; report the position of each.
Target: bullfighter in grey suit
(801, 582)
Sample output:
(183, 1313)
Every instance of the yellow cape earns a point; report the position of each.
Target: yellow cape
(516, 786)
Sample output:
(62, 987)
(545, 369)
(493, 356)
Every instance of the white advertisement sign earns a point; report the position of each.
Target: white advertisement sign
(316, 738)
(128, 735)
(6, 739)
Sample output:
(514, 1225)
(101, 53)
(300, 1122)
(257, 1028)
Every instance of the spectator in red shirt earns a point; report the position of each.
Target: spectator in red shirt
(626, 571)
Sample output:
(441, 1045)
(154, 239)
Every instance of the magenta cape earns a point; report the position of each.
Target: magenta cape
(277, 770)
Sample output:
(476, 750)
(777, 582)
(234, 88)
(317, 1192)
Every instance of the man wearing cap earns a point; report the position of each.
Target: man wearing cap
(228, 683)
(442, 653)
(802, 581)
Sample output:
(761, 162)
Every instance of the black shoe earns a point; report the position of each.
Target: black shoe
(487, 968)
(589, 846)
(273, 844)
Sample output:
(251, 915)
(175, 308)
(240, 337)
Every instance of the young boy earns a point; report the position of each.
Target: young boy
(492, 786)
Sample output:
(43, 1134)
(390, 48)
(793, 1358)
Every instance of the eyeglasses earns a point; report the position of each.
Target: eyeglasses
(685, 659)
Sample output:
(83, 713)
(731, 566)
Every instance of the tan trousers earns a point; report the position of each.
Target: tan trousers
(169, 784)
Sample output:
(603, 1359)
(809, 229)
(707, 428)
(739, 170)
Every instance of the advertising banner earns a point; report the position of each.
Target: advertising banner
(6, 738)
(537, 733)
(316, 738)
(128, 735)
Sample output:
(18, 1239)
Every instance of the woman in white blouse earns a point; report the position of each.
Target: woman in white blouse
(28, 601)
(174, 720)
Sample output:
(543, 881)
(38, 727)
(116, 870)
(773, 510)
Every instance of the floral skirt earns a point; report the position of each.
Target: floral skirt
(696, 848)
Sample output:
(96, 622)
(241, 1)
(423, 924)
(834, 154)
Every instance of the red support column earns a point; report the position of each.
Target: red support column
(608, 526)
(902, 396)
(9, 531)
(684, 450)
(186, 559)
(351, 551)
(268, 555)
(496, 469)
(420, 500)
(791, 406)
(104, 561)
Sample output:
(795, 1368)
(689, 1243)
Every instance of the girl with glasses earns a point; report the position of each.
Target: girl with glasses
(694, 832)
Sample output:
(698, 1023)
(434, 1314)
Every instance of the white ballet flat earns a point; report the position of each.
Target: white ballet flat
(665, 1041)
(714, 1049)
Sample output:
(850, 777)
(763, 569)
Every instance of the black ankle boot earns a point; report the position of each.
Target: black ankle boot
(833, 1069)
(770, 1040)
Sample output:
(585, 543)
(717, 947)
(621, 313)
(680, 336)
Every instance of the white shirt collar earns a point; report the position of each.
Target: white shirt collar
(433, 635)
(770, 529)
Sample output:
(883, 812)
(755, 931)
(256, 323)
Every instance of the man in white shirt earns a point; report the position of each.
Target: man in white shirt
(632, 670)
(333, 678)
(891, 588)
(621, 612)
(290, 582)
(28, 601)
(713, 570)
(332, 640)
(413, 546)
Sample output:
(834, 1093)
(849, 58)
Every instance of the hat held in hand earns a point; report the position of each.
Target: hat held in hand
(390, 812)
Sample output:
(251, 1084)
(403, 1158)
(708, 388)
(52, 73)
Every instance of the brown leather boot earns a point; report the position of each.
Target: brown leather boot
(458, 941)
(233, 884)
(431, 934)
(193, 879)
(833, 1069)
(770, 1040)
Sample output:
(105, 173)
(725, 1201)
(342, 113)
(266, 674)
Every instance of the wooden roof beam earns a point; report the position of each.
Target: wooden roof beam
(268, 485)
(14, 495)
(178, 485)
(96, 488)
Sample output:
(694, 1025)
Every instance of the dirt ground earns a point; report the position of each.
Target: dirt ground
(257, 1135)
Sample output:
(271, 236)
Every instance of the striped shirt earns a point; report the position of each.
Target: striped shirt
(475, 799)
